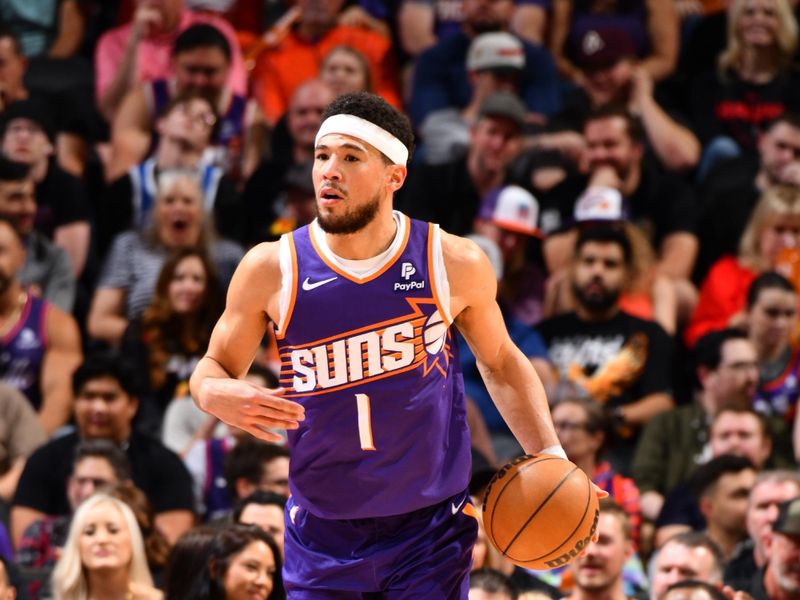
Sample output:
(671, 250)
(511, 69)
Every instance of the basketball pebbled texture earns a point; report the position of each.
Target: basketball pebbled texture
(540, 511)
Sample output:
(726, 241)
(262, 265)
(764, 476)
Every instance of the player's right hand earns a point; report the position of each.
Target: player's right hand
(250, 407)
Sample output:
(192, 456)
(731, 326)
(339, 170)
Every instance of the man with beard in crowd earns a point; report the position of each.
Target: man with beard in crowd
(621, 361)
(771, 489)
(779, 579)
(598, 572)
(663, 205)
(495, 140)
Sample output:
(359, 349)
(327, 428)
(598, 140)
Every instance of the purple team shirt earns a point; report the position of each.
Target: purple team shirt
(373, 363)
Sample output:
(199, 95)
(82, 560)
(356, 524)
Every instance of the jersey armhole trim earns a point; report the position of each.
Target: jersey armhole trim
(440, 286)
(287, 257)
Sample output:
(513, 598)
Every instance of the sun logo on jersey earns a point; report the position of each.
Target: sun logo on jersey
(419, 339)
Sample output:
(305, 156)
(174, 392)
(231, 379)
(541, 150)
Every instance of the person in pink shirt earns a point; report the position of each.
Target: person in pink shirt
(141, 51)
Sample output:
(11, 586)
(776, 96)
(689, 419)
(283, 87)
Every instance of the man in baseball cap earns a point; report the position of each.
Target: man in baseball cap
(780, 578)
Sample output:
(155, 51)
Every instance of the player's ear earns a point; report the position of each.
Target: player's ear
(396, 176)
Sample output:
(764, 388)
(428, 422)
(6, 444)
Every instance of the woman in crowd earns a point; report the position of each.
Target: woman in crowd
(156, 546)
(753, 82)
(771, 318)
(652, 24)
(168, 339)
(244, 563)
(189, 556)
(128, 280)
(346, 70)
(582, 428)
(770, 241)
(104, 555)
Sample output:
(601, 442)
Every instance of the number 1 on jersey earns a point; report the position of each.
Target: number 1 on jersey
(364, 422)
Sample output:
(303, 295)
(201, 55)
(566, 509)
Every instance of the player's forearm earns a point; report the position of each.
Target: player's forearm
(206, 369)
(520, 397)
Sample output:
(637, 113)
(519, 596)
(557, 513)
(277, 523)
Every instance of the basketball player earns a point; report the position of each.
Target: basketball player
(362, 300)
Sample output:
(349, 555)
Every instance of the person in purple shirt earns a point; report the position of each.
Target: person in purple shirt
(362, 300)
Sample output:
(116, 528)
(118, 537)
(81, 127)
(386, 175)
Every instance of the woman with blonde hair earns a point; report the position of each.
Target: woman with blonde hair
(128, 280)
(753, 83)
(104, 556)
(771, 241)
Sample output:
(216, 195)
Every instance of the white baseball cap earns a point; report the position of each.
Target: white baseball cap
(495, 50)
(513, 208)
(600, 203)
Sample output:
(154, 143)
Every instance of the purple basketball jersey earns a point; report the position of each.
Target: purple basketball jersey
(22, 350)
(372, 361)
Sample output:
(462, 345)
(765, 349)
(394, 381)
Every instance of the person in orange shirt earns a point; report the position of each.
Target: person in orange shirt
(297, 57)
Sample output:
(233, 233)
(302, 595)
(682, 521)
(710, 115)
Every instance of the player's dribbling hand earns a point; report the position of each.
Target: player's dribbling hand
(600, 495)
(250, 407)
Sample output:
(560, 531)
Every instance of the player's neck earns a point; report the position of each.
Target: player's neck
(369, 242)
(12, 299)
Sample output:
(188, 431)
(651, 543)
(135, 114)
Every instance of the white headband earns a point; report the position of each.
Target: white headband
(367, 131)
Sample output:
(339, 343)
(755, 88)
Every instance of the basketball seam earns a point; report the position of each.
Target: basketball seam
(550, 495)
(537, 459)
(580, 522)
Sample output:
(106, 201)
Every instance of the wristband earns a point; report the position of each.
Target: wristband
(555, 450)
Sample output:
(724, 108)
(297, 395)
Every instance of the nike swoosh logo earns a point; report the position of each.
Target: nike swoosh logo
(453, 508)
(308, 286)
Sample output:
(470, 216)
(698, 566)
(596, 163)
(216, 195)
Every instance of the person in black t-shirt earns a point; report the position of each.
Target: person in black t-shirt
(662, 205)
(105, 405)
(269, 203)
(28, 136)
(754, 79)
(620, 361)
(733, 187)
(613, 74)
(450, 194)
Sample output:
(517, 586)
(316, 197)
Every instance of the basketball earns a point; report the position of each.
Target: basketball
(540, 511)
(434, 332)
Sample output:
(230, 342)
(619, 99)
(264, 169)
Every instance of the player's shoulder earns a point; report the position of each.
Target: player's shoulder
(461, 253)
(261, 262)
(469, 272)
(263, 255)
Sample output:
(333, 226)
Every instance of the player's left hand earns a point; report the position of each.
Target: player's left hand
(600, 495)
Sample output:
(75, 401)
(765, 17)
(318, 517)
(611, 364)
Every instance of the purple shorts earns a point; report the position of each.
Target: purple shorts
(423, 554)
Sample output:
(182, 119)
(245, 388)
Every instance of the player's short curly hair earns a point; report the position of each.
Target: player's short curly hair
(374, 109)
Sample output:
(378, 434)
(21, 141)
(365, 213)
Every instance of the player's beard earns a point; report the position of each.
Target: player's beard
(598, 302)
(352, 221)
(5, 282)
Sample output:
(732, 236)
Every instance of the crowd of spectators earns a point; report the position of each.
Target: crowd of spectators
(630, 167)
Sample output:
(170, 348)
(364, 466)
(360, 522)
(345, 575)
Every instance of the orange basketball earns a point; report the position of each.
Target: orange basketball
(540, 511)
